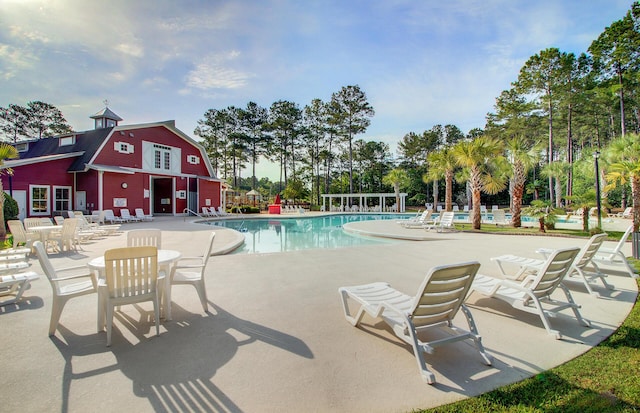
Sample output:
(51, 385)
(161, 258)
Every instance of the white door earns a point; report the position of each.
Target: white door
(81, 200)
(21, 199)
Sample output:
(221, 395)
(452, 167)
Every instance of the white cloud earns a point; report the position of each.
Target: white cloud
(216, 72)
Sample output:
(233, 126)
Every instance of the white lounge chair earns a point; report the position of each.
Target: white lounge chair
(131, 276)
(536, 289)
(500, 218)
(615, 256)
(126, 216)
(444, 222)
(418, 222)
(63, 290)
(583, 266)
(627, 213)
(142, 216)
(14, 285)
(436, 303)
(205, 212)
(109, 216)
(190, 271)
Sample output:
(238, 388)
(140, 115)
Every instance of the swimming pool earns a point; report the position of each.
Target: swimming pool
(267, 235)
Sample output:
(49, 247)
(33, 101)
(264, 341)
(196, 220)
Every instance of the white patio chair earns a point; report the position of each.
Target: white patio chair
(14, 285)
(583, 266)
(65, 239)
(142, 216)
(144, 237)
(63, 289)
(532, 293)
(443, 223)
(126, 216)
(110, 217)
(615, 256)
(438, 299)
(190, 270)
(20, 235)
(131, 276)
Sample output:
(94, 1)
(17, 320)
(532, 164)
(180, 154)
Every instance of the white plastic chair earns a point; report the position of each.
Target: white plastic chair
(14, 285)
(142, 216)
(435, 305)
(20, 235)
(536, 289)
(144, 237)
(131, 276)
(60, 279)
(126, 216)
(615, 256)
(66, 238)
(109, 216)
(193, 273)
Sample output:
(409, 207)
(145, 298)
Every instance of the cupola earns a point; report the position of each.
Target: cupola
(105, 119)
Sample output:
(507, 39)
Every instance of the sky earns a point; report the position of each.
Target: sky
(420, 63)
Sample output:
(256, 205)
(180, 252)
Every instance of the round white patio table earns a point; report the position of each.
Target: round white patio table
(166, 266)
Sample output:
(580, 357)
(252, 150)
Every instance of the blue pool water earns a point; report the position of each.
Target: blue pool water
(267, 235)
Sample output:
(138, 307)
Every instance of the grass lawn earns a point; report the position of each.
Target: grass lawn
(605, 379)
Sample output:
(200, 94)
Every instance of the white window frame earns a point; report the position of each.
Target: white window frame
(46, 200)
(67, 140)
(22, 146)
(123, 147)
(193, 160)
(55, 198)
(168, 158)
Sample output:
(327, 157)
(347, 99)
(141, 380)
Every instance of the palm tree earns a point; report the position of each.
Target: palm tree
(522, 157)
(486, 167)
(6, 152)
(397, 178)
(543, 211)
(624, 156)
(442, 163)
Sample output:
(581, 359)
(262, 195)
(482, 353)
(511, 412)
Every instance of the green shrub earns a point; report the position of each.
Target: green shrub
(11, 209)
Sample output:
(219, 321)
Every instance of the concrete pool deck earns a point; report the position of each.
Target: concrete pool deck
(276, 340)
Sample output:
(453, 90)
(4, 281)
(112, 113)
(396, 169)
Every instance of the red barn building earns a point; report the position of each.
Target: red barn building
(153, 166)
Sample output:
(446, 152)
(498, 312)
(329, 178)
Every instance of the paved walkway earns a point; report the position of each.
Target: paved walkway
(276, 339)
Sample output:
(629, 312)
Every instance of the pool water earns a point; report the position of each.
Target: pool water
(268, 235)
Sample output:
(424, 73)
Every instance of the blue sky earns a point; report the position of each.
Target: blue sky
(420, 63)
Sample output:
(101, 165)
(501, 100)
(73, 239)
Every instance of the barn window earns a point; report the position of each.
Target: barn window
(123, 147)
(67, 140)
(61, 198)
(39, 200)
(194, 160)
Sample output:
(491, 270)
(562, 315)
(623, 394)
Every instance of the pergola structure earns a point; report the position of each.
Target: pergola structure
(346, 199)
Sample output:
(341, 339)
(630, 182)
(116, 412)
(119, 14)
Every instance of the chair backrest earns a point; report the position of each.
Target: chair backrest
(47, 267)
(455, 208)
(499, 216)
(69, 228)
(108, 214)
(139, 213)
(628, 212)
(589, 250)
(623, 240)
(59, 219)
(207, 251)
(31, 222)
(553, 271)
(44, 221)
(124, 213)
(446, 219)
(425, 216)
(483, 208)
(442, 292)
(131, 272)
(17, 231)
(144, 237)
